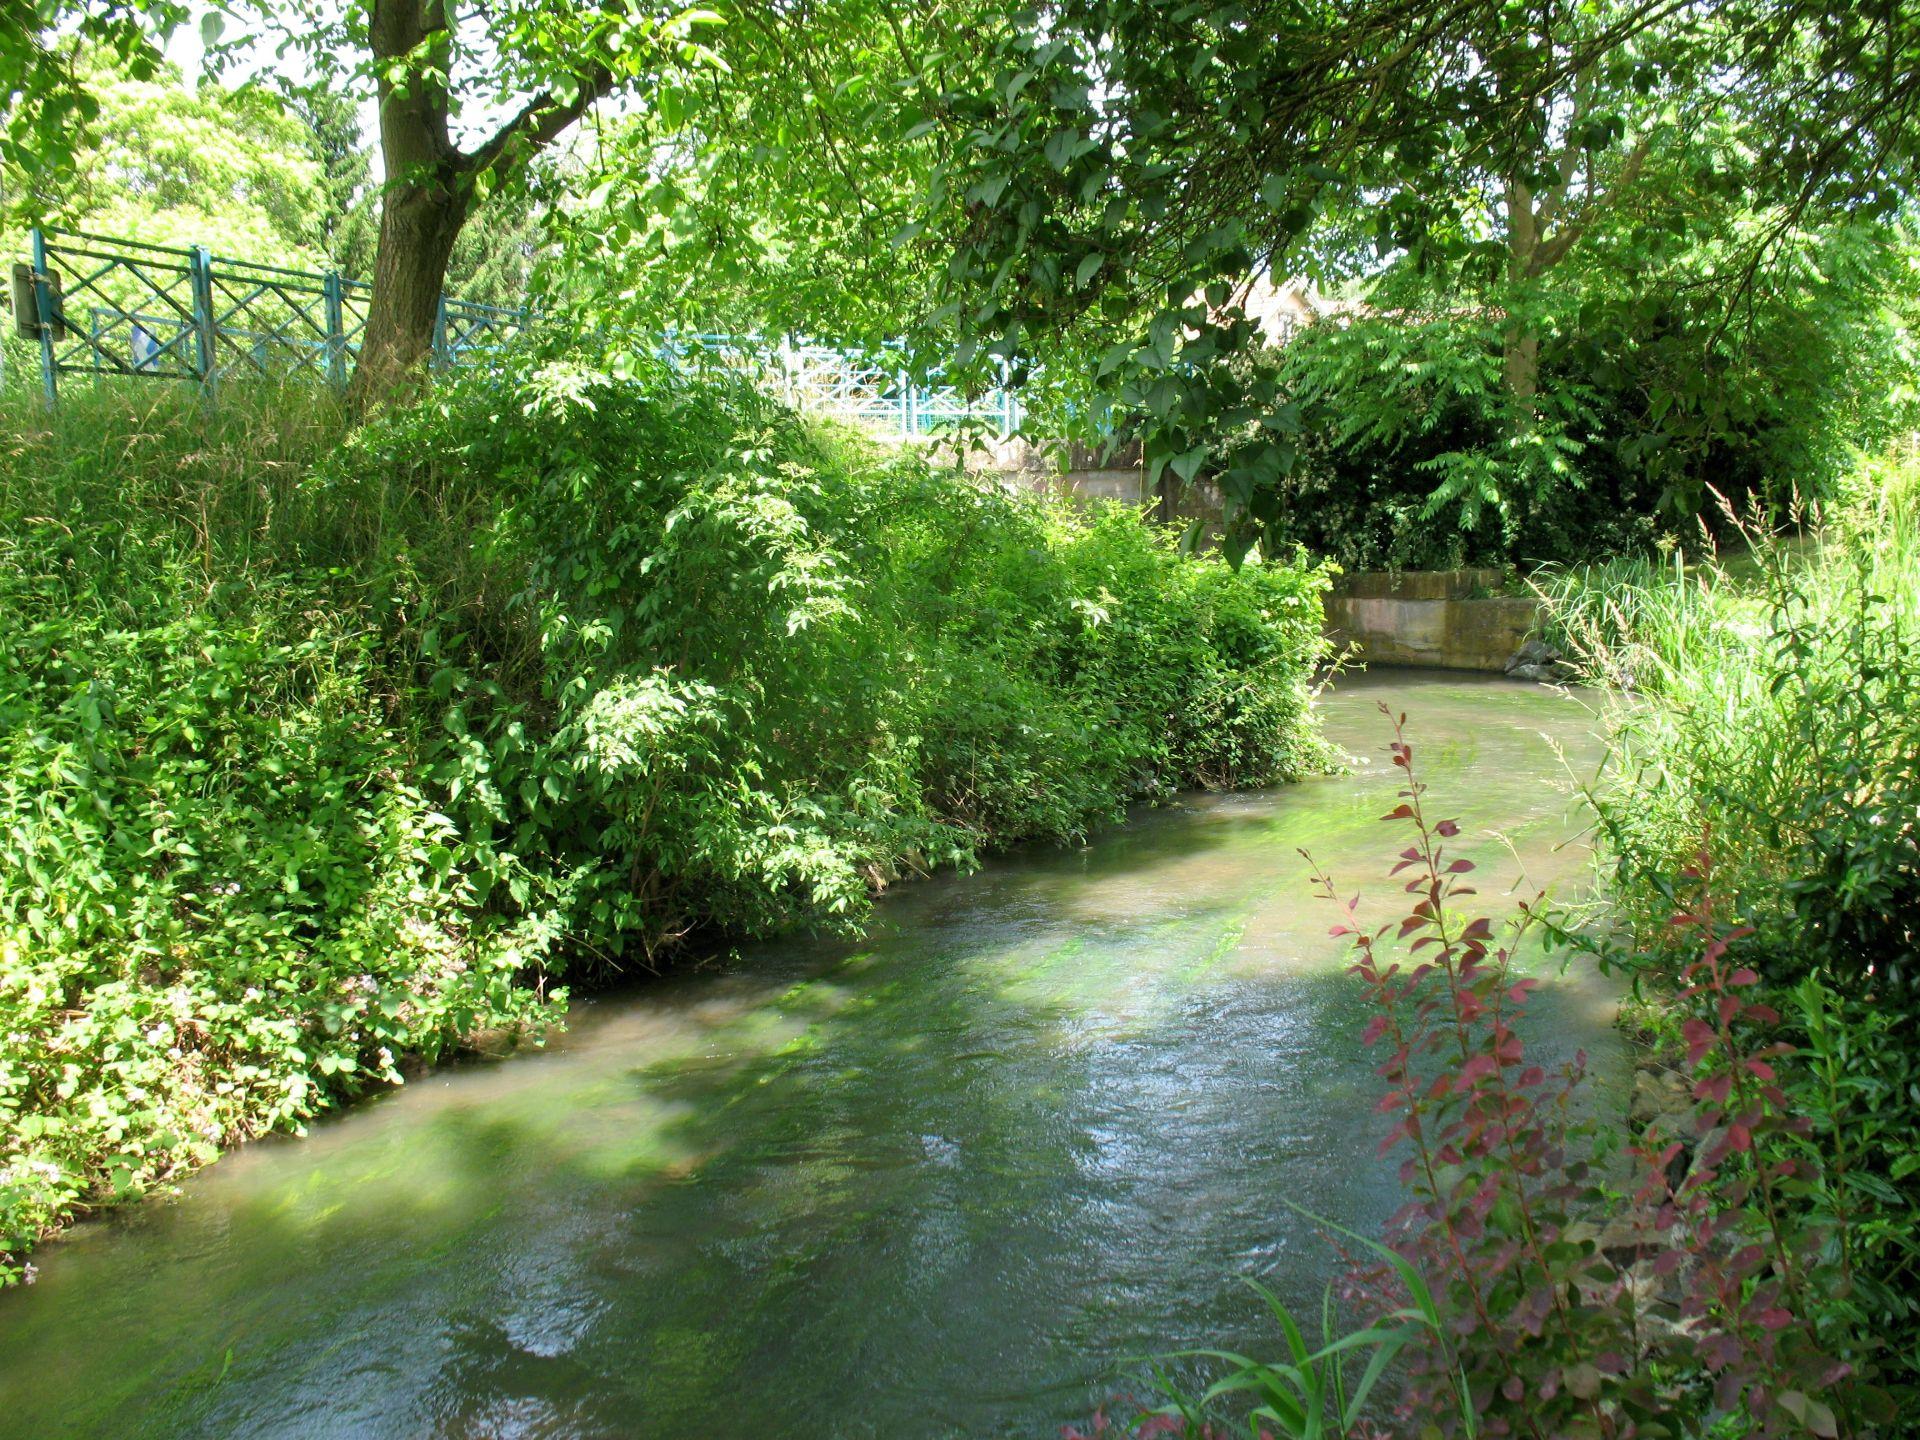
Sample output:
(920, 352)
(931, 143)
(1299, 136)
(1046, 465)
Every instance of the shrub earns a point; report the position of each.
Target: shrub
(764, 666)
(1782, 727)
(319, 750)
(1540, 1282)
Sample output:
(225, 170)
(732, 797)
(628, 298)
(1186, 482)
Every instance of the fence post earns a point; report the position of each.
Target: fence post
(336, 330)
(441, 357)
(789, 387)
(906, 405)
(205, 335)
(44, 316)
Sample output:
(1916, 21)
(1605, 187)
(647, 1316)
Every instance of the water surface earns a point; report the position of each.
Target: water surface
(950, 1180)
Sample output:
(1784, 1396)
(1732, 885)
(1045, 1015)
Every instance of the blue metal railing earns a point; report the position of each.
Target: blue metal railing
(183, 313)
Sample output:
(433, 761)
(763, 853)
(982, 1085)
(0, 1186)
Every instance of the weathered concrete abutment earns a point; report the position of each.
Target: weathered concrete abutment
(1445, 619)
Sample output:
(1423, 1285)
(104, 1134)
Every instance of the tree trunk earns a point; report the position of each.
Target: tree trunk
(431, 184)
(1522, 345)
(1523, 366)
(418, 227)
(426, 201)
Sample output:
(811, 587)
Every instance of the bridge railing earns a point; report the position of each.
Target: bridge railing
(104, 306)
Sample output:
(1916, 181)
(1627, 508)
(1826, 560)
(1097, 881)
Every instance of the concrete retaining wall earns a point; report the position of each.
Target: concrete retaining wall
(1442, 619)
(1088, 474)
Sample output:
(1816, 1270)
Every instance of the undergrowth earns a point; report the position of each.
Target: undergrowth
(322, 748)
(1779, 727)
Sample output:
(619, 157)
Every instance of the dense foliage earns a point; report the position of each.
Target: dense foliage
(307, 766)
(1409, 453)
(250, 174)
(1582, 248)
(1581, 262)
(323, 749)
(1783, 735)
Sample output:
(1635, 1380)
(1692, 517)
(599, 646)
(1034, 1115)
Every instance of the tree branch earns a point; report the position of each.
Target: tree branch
(1552, 251)
(540, 122)
(1567, 162)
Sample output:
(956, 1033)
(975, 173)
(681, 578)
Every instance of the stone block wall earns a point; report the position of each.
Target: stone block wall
(1441, 619)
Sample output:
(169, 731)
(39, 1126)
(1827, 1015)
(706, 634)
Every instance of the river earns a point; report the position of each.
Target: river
(951, 1180)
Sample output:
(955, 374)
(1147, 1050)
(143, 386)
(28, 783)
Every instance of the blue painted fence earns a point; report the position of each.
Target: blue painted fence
(98, 305)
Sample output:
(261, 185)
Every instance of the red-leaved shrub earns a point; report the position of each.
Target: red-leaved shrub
(1586, 1293)
(1543, 1279)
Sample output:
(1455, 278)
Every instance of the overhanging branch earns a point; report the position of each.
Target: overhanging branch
(540, 122)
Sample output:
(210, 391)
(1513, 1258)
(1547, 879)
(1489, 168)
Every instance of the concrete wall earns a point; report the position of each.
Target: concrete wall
(1443, 619)
(1089, 474)
(1128, 485)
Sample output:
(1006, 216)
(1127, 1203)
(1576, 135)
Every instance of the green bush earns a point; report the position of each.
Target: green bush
(1413, 451)
(1779, 737)
(322, 749)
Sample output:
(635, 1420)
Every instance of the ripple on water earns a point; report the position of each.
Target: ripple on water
(949, 1181)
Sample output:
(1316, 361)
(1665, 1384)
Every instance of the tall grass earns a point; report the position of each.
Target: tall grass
(1778, 735)
(1760, 677)
(1628, 618)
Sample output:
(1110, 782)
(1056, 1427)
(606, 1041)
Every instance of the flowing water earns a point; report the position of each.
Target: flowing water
(952, 1180)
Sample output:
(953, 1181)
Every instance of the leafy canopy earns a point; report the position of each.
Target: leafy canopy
(1133, 168)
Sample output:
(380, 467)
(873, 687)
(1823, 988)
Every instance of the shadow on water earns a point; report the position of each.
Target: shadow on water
(951, 1180)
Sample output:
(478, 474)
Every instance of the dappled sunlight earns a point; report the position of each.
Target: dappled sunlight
(851, 721)
(1034, 1124)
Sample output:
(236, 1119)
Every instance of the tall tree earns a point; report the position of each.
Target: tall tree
(175, 164)
(549, 64)
(1115, 174)
(492, 262)
(1135, 168)
(466, 101)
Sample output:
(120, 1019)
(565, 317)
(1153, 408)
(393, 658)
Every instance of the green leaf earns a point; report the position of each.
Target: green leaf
(1814, 1416)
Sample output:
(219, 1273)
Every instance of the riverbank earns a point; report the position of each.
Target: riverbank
(1769, 788)
(1028, 1129)
(322, 752)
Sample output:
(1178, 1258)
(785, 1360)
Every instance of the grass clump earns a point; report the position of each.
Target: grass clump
(322, 748)
(1777, 751)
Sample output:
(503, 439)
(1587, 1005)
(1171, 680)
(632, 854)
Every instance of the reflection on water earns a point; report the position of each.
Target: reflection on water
(948, 1181)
